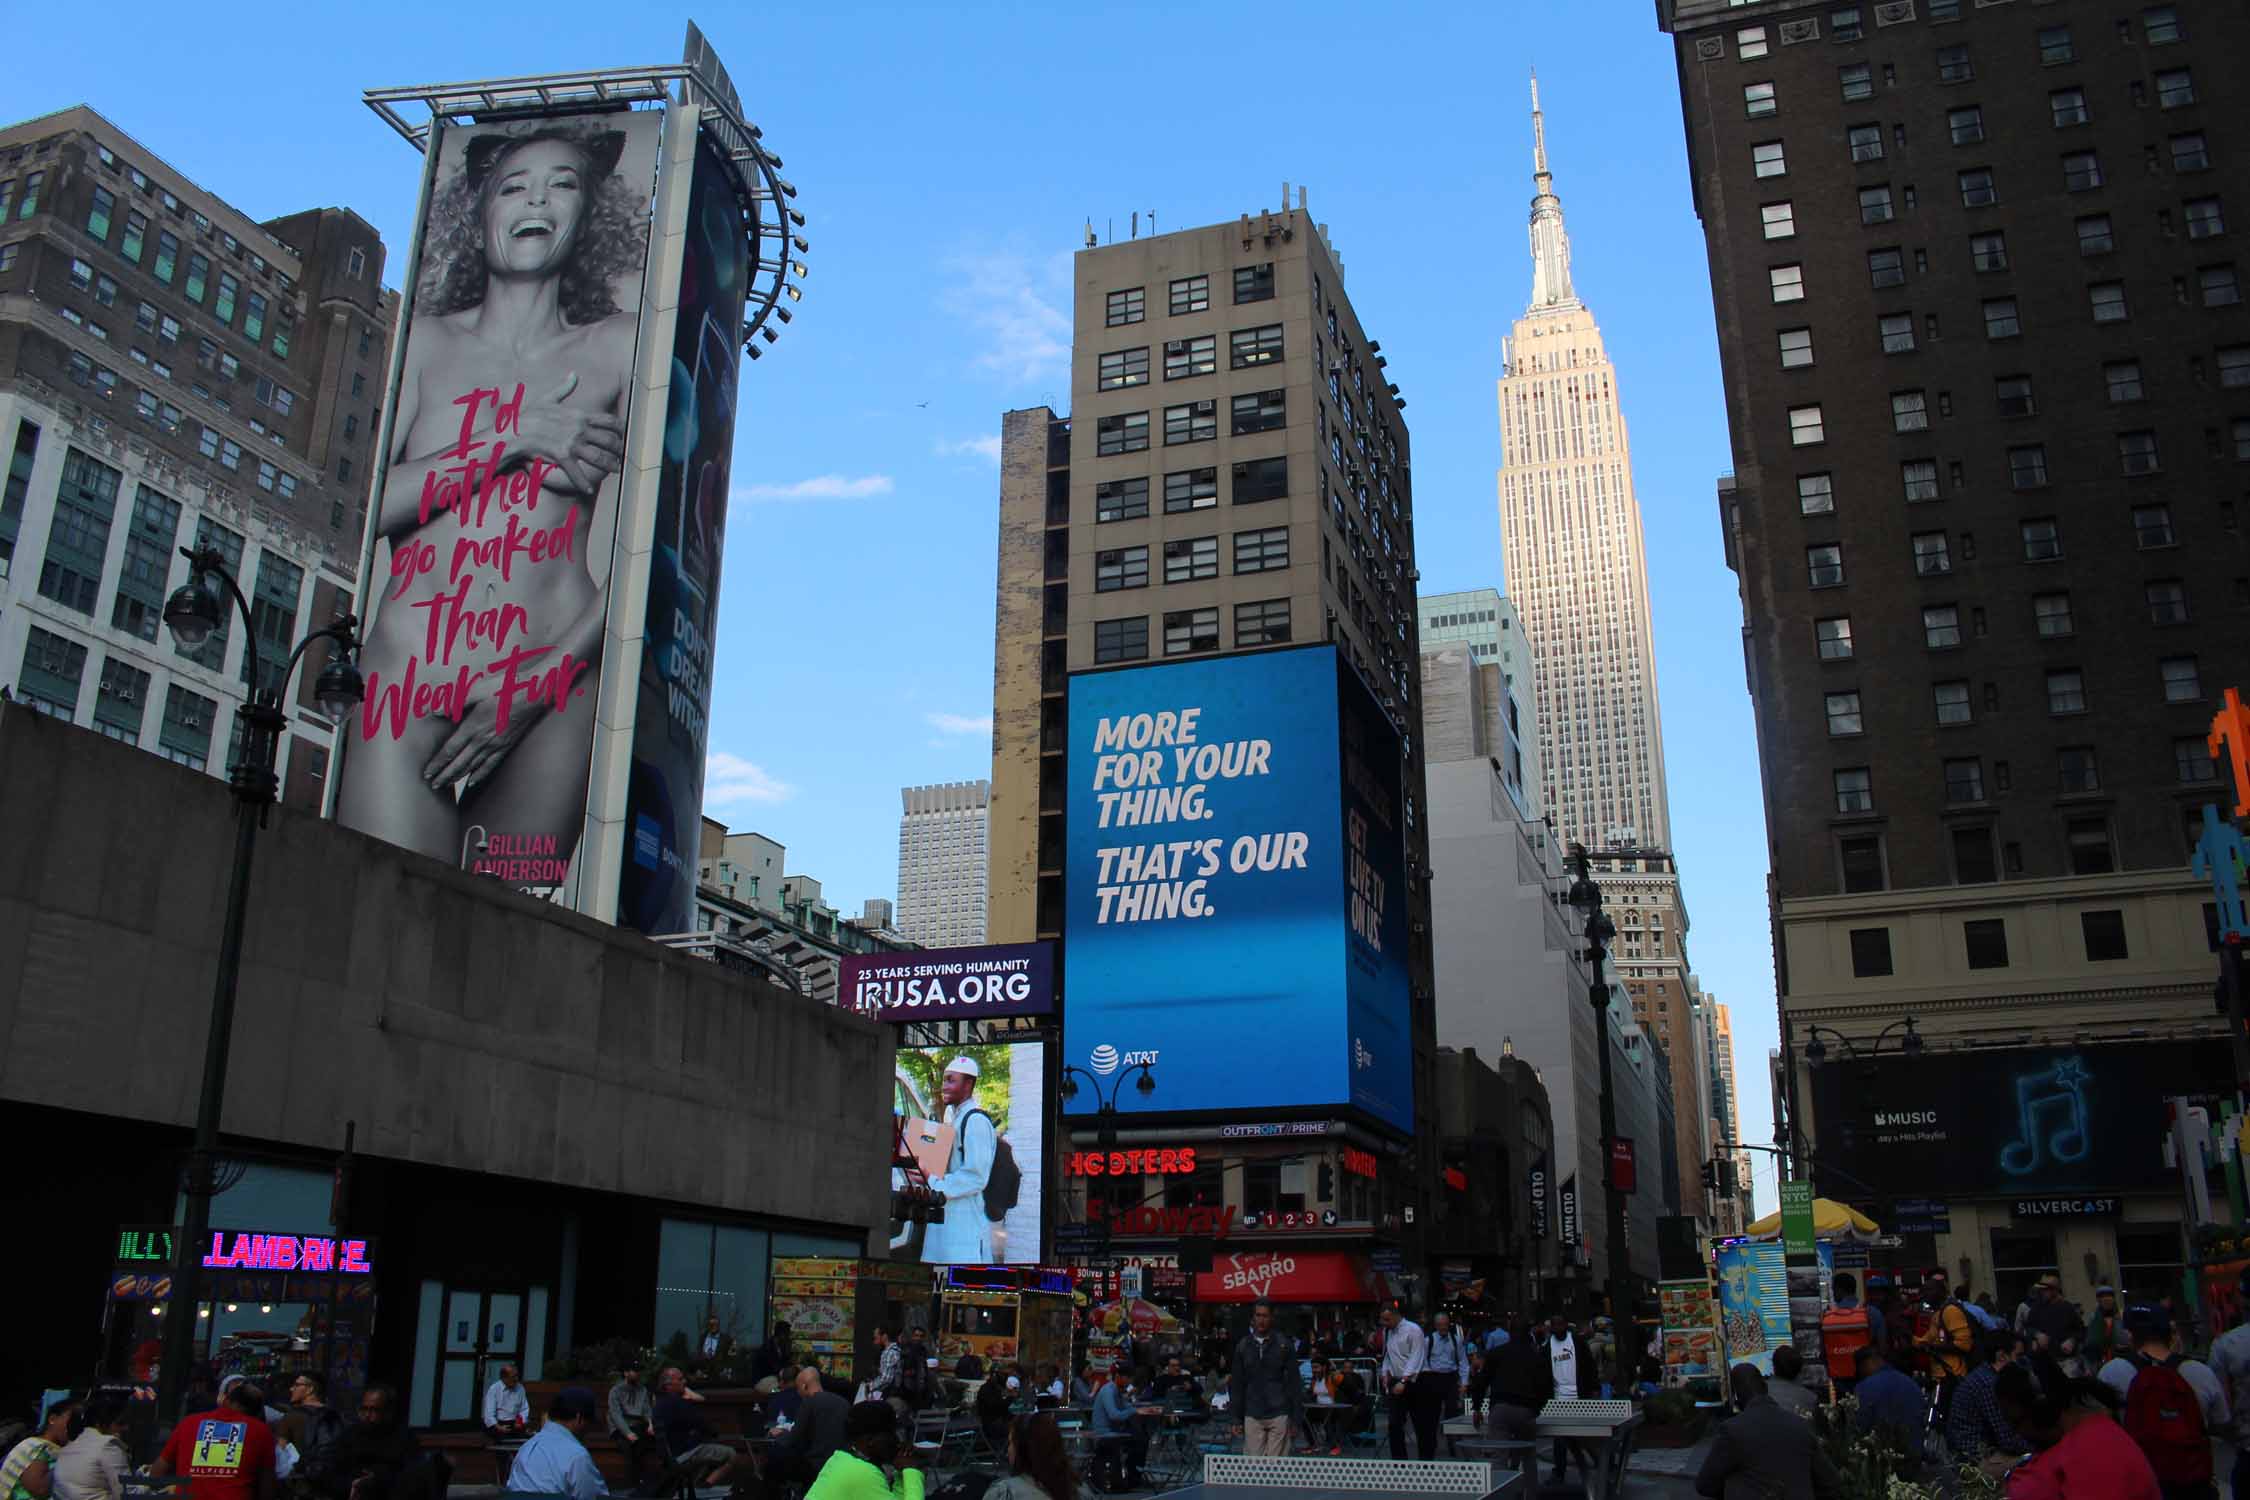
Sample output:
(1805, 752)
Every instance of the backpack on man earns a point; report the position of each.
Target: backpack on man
(1844, 1331)
(2165, 1416)
(1004, 1184)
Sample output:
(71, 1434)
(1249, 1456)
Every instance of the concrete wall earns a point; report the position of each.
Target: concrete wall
(460, 1024)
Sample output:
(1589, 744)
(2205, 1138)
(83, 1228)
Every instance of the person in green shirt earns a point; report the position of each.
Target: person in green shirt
(2105, 1330)
(860, 1469)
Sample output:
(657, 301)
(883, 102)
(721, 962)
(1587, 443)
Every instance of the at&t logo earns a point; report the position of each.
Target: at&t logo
(1104, 1060)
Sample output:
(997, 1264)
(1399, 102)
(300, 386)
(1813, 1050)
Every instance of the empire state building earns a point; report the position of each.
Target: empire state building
(1570, 537)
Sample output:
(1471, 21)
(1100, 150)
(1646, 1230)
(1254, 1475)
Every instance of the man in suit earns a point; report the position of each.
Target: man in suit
(1764, 1453)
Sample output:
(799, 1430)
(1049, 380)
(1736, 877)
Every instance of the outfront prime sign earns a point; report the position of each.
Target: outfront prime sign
(1237, 886)
(943, 984)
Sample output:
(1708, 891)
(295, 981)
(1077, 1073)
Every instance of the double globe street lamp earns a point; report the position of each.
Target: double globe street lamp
(1816, 1050)
(193, 614)
(1106, 1116)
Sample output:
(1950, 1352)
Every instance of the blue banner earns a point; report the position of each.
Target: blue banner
(1236, 912)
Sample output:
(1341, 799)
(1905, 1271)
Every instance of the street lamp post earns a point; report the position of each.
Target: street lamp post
(1105, 1129)
(1586, 895)
(1796, 1147)
(192, 614)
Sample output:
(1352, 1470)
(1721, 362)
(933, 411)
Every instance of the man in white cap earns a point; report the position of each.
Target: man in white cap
(965, 1238)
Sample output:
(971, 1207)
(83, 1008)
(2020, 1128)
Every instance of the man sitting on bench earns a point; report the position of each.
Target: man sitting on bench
(687, 1437)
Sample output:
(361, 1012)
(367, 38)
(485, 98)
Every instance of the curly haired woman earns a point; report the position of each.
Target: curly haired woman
(483, 651)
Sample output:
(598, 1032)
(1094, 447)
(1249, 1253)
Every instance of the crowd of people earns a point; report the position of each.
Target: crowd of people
(2049, 1402)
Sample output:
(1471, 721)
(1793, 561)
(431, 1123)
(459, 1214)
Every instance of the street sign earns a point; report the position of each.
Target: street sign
(1922, 1216)
(1391, 1261)
(1886, 1242)
(1796, 1218)
(1082, 1239)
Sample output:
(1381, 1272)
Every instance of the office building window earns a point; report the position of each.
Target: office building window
(2167, 601)
(1824, 565)
(1843, 25)
(1897, 332)
(1258, 411)
(2086, 840)
(1192, 422)
(1750, 42)
(1805, 426)
(1254, 346)
(1788, 283)
(1186, 357)
(54, 668)
(1779, 220)
(1860, 859)
(2175, 89)
(1126, 432)
(1816, 494)
(1875, 204)
(2080, 772)
(1910, 411)
(1260, 479)
(2055, 46)
(1931, 556)
(1190, 294)
(1871, 952)
(1989, 251)
(2205, 221)
(1123, 367)
(2012, 394)
(78, 536)
(1796, 348)
(1190, 489)
(2082, 172)
(2050, 614)
(1121, 499)
(1188, 559)
(1865, 142)
(184, 736)
(2136, 452)
(2183, 680)
(1261, 551)
(1918, 478)
(2104, 932)
(2160, 25)
(1127, 306)
(2066, 691)
(2234, 367)
(1951, 700)
(1856, 81)
(1941, 626)
(2123, 378)
(1953, 65)
(2108, 300)
(1855, 790)
(1758, 100)
(1886, 267)
(1121, 640)
(1264, 622)
(2190, 153)
(2027, 467)
(1973, 863)
(1832, 638)
(2191, 759)
(1189, 630)
(2096, 238)
(1843, 713)
(1120, 568)
(2220, 286)
(1978, 189)
(1986, 939)
(1254, 283)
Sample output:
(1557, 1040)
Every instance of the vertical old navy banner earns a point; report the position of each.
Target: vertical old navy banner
(671, 727)
(1539, 1196)
(487, 566)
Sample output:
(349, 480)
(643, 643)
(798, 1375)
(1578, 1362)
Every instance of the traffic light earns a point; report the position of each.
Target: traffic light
(1710, 1177)
(1327, 1182)
(1728, 1178)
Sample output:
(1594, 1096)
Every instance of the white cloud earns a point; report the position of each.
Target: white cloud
(729, 779)
(1012, 300)
(960, 723)
(986, 448)
(822, 487)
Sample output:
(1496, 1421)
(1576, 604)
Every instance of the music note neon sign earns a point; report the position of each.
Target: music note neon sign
(2058, 1093)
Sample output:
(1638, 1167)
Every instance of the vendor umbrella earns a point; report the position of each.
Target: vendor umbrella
(1831, 1221)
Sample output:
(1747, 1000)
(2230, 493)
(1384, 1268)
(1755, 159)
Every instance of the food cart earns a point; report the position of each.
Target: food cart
(833, 1306)
(1108, 1326)
(1003, 1315)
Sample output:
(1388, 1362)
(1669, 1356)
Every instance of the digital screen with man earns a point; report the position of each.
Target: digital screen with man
(970, 1120)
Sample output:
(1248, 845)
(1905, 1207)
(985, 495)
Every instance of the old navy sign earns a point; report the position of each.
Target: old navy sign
(286, 1252)
(937, 984)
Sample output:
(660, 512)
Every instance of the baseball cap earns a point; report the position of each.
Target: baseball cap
(572, 1401)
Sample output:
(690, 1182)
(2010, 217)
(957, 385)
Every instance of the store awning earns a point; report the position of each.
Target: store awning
(1289, 1276)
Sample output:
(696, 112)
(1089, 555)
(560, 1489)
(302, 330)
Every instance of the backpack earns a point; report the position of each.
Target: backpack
(1004, 1185)
(1844, 1331)
(2165, 1416)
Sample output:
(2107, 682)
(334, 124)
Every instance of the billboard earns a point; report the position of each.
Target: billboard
(939, 984)
(671, 726)
(495, 508)
(1235, 910)
(2021, 1122)
(958, 1123)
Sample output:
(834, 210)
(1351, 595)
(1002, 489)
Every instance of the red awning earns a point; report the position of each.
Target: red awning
(1288, 1276)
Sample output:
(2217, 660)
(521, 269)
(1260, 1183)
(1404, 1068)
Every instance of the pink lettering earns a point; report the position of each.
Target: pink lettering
(317, 1255)
(554, 687)
(470, 404)
(451, 620)
(354, 1258)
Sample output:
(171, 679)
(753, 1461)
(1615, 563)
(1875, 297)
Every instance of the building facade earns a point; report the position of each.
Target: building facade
(751, 916)
(1641, 891)
(174, 373)
(1485, 623)
(1233, 478)
(943, 845)
(1732, 1208)
(1570, 534)
(1988, 384)
(1493, 1250)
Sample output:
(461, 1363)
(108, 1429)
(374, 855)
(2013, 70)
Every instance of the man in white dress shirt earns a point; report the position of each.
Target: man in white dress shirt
(965, 1238)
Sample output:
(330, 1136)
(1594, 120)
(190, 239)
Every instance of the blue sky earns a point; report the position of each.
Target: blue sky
(949, 156)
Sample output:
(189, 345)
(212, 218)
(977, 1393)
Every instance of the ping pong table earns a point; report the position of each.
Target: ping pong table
(1236, 1476)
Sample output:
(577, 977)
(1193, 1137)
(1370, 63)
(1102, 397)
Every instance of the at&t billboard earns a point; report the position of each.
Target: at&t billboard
(1236, 891)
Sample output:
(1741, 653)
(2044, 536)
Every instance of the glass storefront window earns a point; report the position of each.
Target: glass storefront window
(704, 1270)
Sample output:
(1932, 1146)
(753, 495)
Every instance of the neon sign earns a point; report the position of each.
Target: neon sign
(286, 1252)
(1166, 1161)
(1358, 1163)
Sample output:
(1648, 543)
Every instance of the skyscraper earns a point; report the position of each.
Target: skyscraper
(942, 841)
(1732, 1127)
(1570, 533)
(1987, 369)
(1484, 624)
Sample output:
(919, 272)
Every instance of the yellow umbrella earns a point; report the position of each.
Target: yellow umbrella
(1831, 1220)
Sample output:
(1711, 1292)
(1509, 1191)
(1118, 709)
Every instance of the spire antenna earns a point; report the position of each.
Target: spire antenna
(1538, 131)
